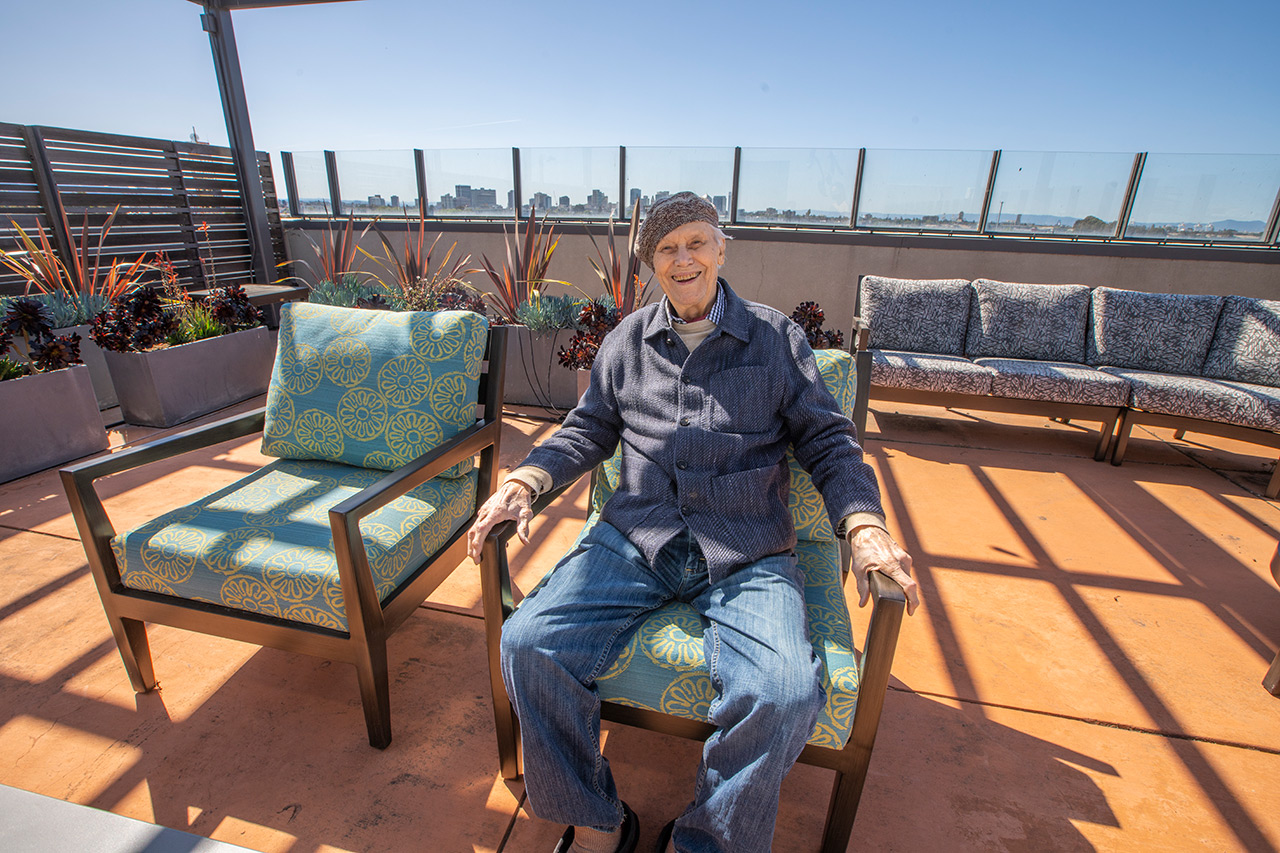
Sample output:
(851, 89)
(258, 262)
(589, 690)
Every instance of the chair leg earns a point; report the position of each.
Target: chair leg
(1122, 438)
(1105, 434)
(135, 651)
(845, 795)
(1272, 679)
(375, 693)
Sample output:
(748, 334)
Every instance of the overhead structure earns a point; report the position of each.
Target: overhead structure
(216, 20)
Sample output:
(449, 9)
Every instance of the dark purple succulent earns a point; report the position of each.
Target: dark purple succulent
(56, 353)
(28, 318)
(595, 321)
(809, 316)
(231, 307)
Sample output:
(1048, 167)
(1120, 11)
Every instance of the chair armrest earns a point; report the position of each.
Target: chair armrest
(409, 476)
(861, 333)
(77, 480)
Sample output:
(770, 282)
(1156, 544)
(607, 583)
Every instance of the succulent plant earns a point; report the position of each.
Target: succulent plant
(595, 321)
(231, 307)
(56, 353)
(28, 318)
(809, 316)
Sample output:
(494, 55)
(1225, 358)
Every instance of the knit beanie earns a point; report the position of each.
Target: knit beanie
(669, 214)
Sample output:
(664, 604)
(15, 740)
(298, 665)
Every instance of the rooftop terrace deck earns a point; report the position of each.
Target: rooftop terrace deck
(1084, 673)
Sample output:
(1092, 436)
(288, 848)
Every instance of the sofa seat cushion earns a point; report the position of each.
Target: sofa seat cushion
(1246, 346)
(921, 372)
(1162, 332)
(916, 315)
(264, 545)
(1046, 322)
(373, 389)
(1056, 381)
(1238, 403)
(663, 667)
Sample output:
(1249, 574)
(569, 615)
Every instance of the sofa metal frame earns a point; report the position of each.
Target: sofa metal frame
(1181, 425)
(849, 763)
(370, 622)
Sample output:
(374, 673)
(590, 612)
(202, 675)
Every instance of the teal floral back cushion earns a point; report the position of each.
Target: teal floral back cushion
(372, 389)
(808, 512)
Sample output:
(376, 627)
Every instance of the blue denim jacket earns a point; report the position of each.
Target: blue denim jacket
(704, 435)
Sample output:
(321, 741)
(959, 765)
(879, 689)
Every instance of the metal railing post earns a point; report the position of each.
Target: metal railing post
(335, 192)
(420, 173)
(515, 182)
(622, 181)
(737, 169)
(986, 197)
(857, 188)
(290, 183)
(1135, 175)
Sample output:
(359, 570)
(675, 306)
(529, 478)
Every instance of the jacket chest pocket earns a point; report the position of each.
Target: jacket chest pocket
(744, 400)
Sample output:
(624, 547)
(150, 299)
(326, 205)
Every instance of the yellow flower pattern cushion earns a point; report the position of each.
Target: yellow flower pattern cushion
(264, 545)
(372, 389)
(663, 667)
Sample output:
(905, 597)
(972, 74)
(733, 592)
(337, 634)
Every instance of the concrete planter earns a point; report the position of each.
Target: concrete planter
(48, 419)
(168, 386)
(534, 375)
(91, 355)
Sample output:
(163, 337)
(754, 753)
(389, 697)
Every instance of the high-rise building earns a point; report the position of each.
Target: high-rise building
(722, 204)
(511, 199)
(448, 202)
(635, 196)
(540, 201)
(484, 198)
(597, 202)
(462, 195)
(377, 201)
(395, 201)
(564, 201)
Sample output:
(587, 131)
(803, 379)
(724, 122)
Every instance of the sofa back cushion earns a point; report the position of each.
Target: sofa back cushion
(1163, 332)
(916, 315)
(1045, 322)
(1246, 346)
(373, 389)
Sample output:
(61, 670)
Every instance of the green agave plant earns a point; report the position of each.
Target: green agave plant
(525, 270)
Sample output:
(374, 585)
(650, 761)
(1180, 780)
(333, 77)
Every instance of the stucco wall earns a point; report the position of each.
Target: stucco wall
(783, 270)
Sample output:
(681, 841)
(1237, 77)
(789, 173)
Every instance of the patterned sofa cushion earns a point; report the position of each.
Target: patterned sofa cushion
(264, 545)
(373, 389)
(1246, 346)
(944, 373)
(916, 315)
(1256, 406)
(1028, 321)
(664, 667)
(808, 513)
(1055, 381)
(1163, 332)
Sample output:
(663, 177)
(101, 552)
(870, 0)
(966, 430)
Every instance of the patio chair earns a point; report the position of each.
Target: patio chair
(659, 681)
(375, 419)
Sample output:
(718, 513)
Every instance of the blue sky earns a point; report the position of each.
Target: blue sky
(1079, 76)
(1086, 76)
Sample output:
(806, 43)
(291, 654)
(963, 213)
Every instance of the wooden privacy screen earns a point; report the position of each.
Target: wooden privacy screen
(166, 192)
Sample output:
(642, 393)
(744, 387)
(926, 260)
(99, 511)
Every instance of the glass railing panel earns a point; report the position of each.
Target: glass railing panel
(313, 183)
(570, 183)
(1218, 197)
(799, 186)
(923, 190)
(378, 183)
(1053, 193)
(655, 173)
(470, 182)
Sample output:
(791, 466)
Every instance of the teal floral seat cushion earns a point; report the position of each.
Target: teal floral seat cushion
(663, 666)
(264, 545)
(373, 389)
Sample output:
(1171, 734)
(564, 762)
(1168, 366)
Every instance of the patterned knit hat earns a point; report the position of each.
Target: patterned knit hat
(669, 214)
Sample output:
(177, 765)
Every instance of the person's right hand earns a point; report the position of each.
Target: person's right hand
(510, 503)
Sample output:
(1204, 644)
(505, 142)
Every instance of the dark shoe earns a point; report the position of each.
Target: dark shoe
(628, 839)
(664, 837)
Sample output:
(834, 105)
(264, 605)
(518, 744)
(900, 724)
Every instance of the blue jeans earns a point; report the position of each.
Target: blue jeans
(766, 677)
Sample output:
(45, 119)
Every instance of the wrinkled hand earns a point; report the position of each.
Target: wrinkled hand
(510, 503)
(875, 550)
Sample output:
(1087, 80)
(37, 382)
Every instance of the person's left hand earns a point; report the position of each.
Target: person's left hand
(875, 550)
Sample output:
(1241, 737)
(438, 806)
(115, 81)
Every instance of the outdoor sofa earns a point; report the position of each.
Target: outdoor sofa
(1196, 363)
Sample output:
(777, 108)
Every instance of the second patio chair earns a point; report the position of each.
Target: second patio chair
(660, 680)
(375, 419)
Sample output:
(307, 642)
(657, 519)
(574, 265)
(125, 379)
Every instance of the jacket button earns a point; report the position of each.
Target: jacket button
(684, 422)
(684, 510)
(670, 342)
(685, 379)
(682, 465)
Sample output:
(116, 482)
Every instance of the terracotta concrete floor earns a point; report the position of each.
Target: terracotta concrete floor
(1084, 674)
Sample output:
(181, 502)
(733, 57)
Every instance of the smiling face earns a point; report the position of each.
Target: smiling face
(687, 261)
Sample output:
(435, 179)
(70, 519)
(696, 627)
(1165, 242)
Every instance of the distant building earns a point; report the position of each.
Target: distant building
(722, 204)
(484, 198)
(540, 201)
(462, 196)
(377, 201)
(511, 199)
(597, 202)
(661, 195)
(448, 202)
(635, 197)
(395, 201)
(564, 201)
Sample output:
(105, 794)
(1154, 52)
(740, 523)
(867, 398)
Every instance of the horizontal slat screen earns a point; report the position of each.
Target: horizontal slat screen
(177, 197)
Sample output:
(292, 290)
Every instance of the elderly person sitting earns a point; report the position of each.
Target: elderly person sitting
(705, 392)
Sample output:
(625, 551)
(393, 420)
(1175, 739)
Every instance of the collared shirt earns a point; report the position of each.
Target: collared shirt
(714, 315)
(704, 434)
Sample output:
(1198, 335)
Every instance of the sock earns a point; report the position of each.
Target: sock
(588, 840)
